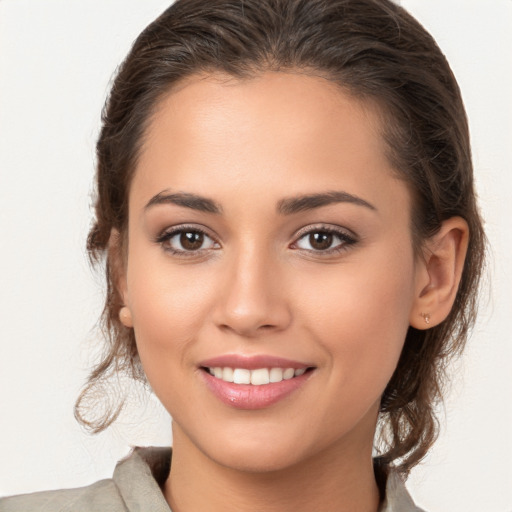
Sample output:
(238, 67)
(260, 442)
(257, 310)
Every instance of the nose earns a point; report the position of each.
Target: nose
(253, 300)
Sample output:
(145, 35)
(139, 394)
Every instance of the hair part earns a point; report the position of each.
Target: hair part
(377, 52)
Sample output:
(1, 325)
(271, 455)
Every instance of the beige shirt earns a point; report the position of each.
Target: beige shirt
(135, 487)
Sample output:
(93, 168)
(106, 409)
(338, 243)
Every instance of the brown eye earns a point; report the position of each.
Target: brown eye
(191, 240)
(321, 241)
(186, 241)
(325, 241)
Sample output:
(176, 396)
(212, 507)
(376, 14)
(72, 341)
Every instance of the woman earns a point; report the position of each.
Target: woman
(293, 248)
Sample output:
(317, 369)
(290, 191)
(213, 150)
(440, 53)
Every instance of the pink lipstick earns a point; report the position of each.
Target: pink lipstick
(253, 382)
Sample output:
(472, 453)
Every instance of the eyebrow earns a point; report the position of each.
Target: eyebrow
(287, 206)
(292, 205)
(187, 200)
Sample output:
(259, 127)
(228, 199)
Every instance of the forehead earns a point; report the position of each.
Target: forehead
(288, 133)
(299, 104)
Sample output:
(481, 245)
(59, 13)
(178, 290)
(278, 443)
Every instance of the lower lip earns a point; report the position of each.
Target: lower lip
(250, 397)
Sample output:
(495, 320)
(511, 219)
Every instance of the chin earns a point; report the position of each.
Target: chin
(258, 460)
(251, 452)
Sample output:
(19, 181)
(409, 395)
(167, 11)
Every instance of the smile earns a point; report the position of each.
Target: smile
(256, 377)
(254, 382)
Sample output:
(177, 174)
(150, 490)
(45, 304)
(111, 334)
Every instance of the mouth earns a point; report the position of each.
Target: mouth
(255, 377)
(254, 382)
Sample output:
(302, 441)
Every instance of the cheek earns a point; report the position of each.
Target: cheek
(169, 305)
(360, 315)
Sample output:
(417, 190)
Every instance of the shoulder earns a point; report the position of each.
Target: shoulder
(134, 486)
(397, 498)
(102, 495)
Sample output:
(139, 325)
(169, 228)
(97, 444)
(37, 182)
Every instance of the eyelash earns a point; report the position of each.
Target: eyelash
(346, 240)
(164, 238)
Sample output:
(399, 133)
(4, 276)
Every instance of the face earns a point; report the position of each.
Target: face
(269, 244)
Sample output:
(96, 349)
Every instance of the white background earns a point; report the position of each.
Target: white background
(56, 60)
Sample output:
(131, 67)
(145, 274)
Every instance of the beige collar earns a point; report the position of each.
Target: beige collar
(140, 476)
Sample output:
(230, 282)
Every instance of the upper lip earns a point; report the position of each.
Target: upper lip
(252, 362)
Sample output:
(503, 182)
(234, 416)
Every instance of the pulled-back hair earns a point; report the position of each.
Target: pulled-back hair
(374, 50)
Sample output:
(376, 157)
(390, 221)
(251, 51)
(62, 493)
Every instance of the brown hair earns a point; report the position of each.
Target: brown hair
(374, 50)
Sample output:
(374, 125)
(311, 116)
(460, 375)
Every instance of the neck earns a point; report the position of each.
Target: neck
(340, 479)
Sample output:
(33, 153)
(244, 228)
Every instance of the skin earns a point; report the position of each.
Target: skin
(258, 286)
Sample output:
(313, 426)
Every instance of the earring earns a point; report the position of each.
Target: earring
(125, 316)
(426, 317)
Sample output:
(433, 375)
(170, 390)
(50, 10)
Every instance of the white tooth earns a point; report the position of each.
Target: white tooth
(276, 375)
(241, 376)
(288, 373)
(300, 372)
(227, 374)
(217, 371)
(260, 377)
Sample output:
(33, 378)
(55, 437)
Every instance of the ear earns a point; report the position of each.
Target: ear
(438, 273)
(117, 268)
